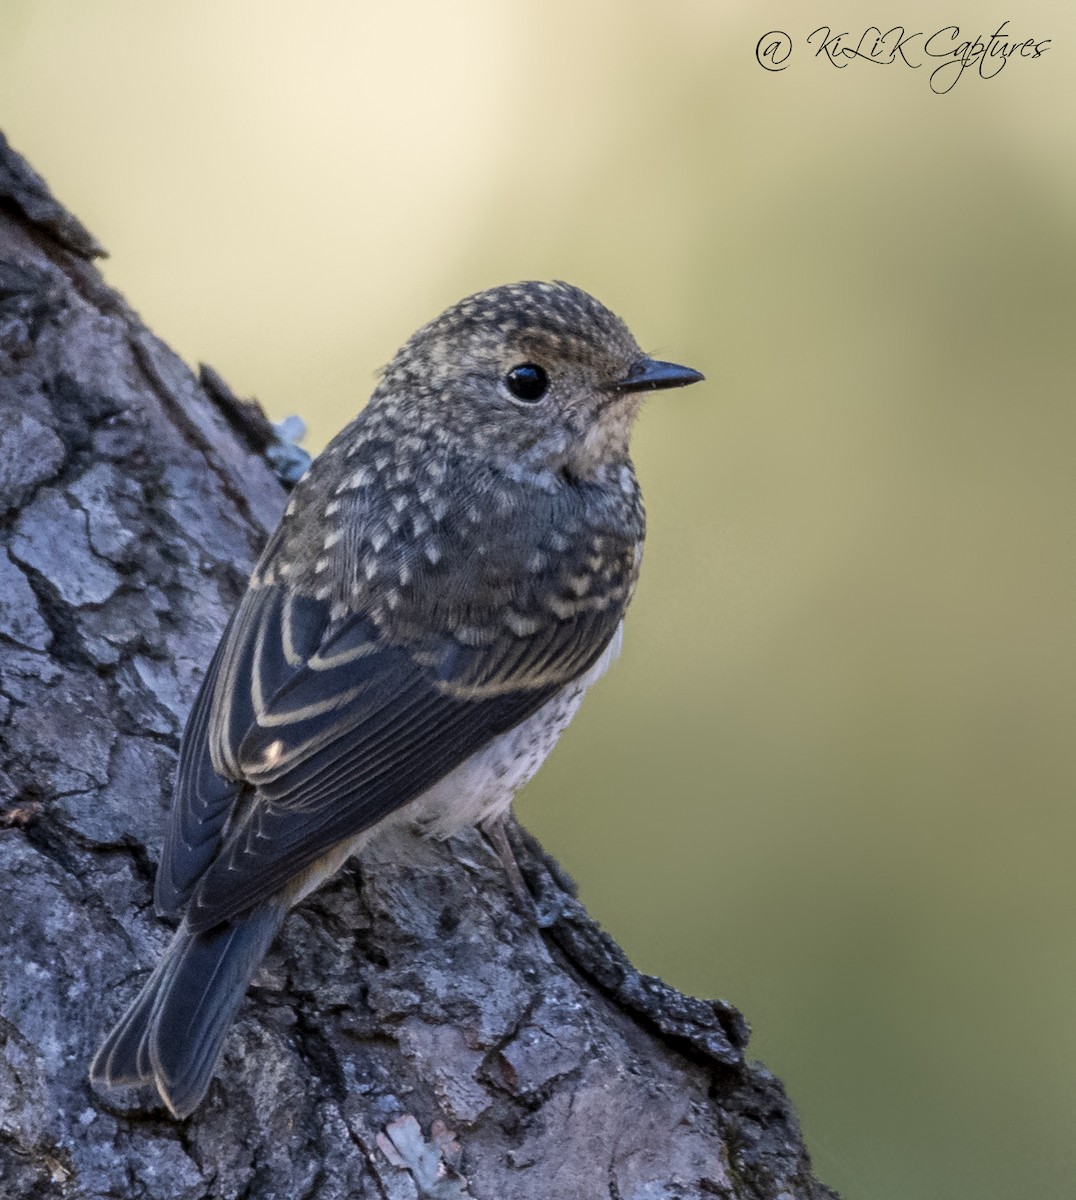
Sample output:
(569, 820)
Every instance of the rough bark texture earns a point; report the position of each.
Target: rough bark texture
(411, 1035)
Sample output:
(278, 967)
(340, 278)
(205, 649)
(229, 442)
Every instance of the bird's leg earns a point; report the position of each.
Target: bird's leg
(497, 832)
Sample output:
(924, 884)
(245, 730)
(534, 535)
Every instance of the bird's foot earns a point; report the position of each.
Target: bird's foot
(497, 833)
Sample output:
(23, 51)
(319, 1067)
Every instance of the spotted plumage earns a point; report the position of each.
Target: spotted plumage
(447, 580)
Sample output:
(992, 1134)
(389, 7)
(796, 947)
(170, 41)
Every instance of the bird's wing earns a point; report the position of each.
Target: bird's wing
(335, 728)
(208, 783)
(202, 800)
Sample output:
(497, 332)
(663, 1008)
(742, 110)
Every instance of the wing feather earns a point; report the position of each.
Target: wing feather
(200, 808)
(308, 732)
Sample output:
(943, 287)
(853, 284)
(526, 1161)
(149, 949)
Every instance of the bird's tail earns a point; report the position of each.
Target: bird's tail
(173, 1033)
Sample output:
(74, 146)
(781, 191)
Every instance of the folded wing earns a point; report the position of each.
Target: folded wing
(308, 732)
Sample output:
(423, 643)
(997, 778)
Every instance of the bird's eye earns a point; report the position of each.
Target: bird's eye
(527, 382)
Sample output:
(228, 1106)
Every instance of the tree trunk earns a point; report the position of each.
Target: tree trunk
(411, 1035)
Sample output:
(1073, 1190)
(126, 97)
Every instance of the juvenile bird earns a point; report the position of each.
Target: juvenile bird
(447, 580)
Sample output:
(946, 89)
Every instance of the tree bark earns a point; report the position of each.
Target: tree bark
(411, 1034)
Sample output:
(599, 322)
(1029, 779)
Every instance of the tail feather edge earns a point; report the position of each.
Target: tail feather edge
(173, 1033)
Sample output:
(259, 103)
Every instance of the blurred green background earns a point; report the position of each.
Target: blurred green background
(831, 777)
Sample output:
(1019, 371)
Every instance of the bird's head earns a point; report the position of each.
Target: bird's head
(539, 377)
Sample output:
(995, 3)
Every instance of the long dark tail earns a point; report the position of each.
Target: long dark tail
(173, 1033)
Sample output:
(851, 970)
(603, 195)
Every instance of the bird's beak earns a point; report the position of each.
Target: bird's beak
(649, 374)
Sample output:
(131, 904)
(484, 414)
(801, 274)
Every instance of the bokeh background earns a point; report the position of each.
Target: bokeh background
(831, 778)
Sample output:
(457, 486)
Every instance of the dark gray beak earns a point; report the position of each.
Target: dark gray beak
(650, 374)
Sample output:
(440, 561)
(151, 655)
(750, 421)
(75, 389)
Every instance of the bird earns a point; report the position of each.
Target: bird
(447, 580)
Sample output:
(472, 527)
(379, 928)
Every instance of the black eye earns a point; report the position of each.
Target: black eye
(527, 382)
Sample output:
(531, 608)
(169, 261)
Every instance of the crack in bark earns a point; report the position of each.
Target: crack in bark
(139, 344)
